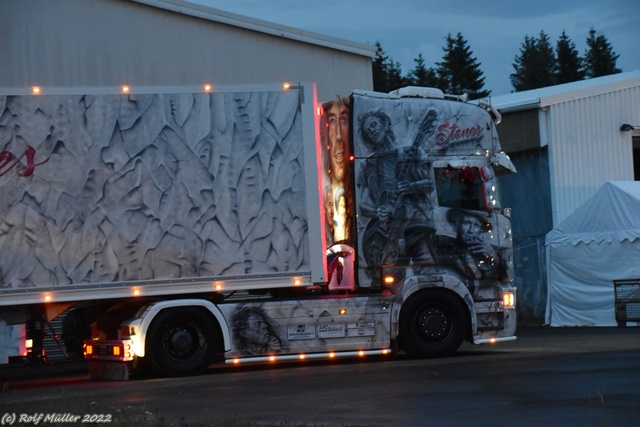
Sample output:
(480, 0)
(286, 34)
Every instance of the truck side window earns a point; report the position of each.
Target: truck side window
(459, 187)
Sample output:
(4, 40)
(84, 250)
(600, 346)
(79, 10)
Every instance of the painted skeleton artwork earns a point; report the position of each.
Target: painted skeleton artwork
(100, 188)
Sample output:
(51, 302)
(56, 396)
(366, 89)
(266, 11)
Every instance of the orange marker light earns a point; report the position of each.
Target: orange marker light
(509, 300)
(286, 86)
(88, 349)
(125, 89)
(207, 88)
(35, 90)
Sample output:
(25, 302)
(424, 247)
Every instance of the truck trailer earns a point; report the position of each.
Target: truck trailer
(176, 227)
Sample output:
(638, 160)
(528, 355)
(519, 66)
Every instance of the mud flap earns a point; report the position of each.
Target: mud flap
(112, 371)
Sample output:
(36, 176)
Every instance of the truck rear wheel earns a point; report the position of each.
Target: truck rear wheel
(432, 324)
(181, 341)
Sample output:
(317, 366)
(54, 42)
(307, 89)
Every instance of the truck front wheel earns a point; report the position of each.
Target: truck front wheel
(432, 323)
(181, 341)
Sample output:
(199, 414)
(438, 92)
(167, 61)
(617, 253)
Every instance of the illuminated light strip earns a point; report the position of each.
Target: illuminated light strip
(493, 340)
(307, 356)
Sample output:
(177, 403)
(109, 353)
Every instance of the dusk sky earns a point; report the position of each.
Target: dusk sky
(494, 30)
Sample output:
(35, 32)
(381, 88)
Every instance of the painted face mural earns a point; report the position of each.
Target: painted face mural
(290, 326)
(254, 333)
(337, 181)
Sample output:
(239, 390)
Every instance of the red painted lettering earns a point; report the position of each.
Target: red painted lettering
(448, 133)
(29, 155)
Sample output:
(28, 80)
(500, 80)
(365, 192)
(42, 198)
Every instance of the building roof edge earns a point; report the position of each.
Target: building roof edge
(278, 30)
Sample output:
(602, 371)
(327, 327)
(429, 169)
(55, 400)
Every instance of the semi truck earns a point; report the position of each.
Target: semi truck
(176, 227)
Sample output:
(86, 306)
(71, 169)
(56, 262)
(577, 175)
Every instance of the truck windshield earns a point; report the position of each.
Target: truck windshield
(464, 188)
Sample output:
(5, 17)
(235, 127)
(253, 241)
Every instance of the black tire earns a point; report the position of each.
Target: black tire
(433, 323)
(181, 341)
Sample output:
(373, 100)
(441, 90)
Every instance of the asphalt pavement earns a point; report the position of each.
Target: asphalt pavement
(530, 339)
(547, 377)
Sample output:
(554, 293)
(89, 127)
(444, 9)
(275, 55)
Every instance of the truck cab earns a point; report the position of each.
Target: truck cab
(427, 223)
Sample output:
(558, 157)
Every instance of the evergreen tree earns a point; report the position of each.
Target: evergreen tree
(394, 77)
(534, 67)
(421, 75)
(600, 59)
(379, 68)
(387, 74)
(568, 66)
(459, 71)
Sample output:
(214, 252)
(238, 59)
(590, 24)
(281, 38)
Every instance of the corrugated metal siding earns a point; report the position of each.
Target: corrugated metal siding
(587, 147)
(528, 194)
(519, 131)
(113, 42)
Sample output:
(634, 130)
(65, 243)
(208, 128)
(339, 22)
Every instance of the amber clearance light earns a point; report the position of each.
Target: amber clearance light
(509, 300)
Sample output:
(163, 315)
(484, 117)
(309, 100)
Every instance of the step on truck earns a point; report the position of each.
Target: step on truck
(172, 228)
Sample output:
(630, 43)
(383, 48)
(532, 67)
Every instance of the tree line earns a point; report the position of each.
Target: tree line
(538, 64)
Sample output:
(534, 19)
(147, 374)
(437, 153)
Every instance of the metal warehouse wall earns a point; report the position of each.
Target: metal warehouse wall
(115, 42)
(586, 146)
(528, 194)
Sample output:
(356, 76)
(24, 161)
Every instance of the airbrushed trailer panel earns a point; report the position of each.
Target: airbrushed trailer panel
(102, 195)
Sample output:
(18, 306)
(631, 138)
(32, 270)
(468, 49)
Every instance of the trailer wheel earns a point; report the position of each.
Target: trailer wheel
(181, 341)
(432, 324)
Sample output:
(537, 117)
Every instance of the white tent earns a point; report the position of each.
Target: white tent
(595, 245)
